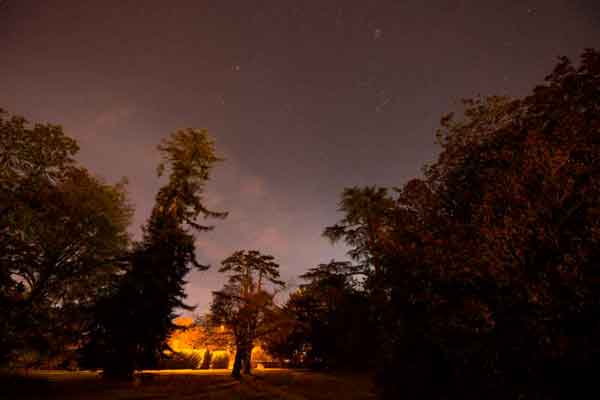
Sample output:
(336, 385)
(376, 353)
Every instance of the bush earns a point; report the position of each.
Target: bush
(206, 360)
(191, 360)
(220, 360)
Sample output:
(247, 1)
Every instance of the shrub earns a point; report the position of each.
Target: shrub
(206, 360)
(220, 360)
(188, 360)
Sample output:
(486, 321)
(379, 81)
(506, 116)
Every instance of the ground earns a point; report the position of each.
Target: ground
(192, 384)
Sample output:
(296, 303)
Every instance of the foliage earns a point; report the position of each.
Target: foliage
(219, 360)
(327, 322)
(135, 318)
(207, 359)
(365, 211)
(245, 304)
(492, 260)
(181, 360)
(63, 233)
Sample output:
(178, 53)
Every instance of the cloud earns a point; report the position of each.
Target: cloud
(271, 239)
(114, 116)
(213, 200)
(252, 187)
(102, 126)
(211, 250)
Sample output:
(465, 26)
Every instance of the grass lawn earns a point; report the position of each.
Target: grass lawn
(189, 384)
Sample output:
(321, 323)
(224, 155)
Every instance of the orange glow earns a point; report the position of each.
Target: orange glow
(183, 321)
(193, 340)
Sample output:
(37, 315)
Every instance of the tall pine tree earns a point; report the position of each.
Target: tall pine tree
(135, 318)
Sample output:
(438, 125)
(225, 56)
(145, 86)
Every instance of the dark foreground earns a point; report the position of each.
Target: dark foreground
(190, 384)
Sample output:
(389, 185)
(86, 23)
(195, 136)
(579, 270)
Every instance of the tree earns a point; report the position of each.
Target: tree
(492, 263)
(245, 303)
(62, 231)
(365, 212)
(135, 318)
(363, 228)
(327, 322)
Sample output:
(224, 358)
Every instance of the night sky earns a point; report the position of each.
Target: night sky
(304, 98)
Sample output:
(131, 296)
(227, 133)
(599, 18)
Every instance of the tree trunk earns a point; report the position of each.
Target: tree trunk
(248, 360)
(118, 372)
(119, 364)
(236, 372)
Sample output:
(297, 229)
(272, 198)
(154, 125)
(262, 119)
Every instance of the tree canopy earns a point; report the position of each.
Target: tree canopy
(245, 304)
(491, 259)
(64, 231)
(134, 318)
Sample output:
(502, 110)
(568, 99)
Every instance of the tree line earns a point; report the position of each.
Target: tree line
(70, 276)
(479, 279)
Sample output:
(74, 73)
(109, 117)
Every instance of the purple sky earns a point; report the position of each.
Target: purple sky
(304, 98)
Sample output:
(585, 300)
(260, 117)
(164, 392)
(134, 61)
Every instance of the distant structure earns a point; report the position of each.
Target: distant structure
(196, 346)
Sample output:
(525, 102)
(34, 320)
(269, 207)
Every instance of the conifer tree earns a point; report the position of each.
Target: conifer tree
(135, 319)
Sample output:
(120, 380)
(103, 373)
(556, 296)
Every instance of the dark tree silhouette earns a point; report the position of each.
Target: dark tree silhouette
(492, 260)
(327, 322)
(135, 318)
(245, 304)
(62, 234)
